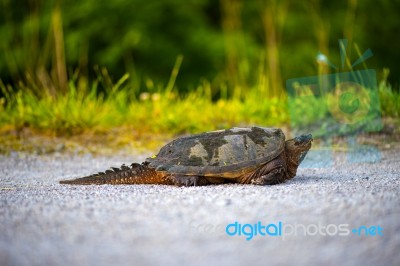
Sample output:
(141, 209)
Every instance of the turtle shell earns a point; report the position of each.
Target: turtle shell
(223, 153)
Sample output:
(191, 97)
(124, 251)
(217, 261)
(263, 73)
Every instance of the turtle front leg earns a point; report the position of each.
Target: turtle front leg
(273, 172)
(185, 180)
(275, 176)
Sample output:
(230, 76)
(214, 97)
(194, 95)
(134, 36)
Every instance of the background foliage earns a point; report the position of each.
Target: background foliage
(225, 42)
(69, 65)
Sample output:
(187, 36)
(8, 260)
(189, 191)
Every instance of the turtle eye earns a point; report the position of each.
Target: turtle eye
(297, 140)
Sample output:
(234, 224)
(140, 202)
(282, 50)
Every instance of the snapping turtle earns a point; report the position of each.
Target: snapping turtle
(255, 155)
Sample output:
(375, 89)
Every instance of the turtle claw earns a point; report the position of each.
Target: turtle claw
(185, 180)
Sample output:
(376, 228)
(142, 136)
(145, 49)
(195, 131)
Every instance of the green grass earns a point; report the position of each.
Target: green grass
(82, 109)
(390, 101)
(79, 110)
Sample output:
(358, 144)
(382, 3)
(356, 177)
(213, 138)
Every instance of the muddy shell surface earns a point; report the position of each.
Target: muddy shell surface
(224, 153)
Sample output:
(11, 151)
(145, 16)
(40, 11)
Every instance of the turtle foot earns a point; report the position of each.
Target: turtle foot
(276, 176)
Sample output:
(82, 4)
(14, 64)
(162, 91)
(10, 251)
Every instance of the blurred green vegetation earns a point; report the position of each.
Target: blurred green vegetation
(168, 66)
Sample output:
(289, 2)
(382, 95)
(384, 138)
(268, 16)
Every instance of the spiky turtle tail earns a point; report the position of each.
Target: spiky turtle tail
(133, 174)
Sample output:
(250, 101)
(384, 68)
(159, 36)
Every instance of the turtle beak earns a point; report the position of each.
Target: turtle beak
(302, 156)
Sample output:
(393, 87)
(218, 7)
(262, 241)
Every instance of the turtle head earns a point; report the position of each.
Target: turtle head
(296, 150)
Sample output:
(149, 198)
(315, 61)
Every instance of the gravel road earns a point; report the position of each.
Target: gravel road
(309, 220)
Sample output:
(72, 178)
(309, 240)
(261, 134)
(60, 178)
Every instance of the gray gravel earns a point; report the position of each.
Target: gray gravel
(44, 223)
